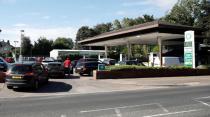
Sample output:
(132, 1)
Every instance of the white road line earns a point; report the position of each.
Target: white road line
(117, 111)
(173, 113)
(133, 106)
(203, 97)
(63, 116)
(163, 108)
(204, 103)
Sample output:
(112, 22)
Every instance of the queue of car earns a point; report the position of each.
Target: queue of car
(32, 72)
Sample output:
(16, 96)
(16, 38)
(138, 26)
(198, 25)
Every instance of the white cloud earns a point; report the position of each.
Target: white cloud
(13, 34)
(163, 4)
(20, 25)
(46, 17)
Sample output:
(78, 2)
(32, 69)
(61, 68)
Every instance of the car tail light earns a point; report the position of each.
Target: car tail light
(29, 74)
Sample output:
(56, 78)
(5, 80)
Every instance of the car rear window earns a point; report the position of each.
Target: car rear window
(54, 65)
(91, 64)
(19, 69)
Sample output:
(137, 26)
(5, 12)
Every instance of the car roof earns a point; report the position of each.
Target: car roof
(54, 63)
(25, 63)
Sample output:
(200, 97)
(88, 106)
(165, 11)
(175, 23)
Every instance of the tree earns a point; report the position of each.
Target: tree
(102, 28)
(117, 25)
(184, 12)
(26, 46)
(85, 32)
(204, 19)
(63, 43)
(42, 47)
(127, 22)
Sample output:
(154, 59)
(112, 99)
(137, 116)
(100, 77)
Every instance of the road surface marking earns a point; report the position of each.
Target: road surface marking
(163, 108)
(204, 103)
(122, 107)
(117, 111)
(203, 97)
(63, 116)
(173, 113)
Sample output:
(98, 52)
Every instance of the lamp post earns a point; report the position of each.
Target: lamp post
(21, 38)
(15, 50)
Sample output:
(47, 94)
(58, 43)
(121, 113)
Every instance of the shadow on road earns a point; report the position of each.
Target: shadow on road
(67, 77)
(51, 87)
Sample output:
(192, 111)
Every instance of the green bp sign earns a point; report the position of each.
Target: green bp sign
(189, 49)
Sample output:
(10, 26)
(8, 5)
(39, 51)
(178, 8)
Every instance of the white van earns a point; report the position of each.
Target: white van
(168, 61)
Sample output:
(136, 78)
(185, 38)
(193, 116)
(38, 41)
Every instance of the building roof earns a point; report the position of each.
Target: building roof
(152, 29)
(5, 47)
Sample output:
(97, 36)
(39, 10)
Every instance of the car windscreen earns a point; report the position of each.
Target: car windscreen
(20, 69)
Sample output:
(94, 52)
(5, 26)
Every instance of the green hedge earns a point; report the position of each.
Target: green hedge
(135, 67)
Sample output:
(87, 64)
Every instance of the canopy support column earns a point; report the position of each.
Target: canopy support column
(160, 50)
(106, 51)
(129, 50)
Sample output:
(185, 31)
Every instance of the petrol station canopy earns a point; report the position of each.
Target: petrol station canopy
(145, 34)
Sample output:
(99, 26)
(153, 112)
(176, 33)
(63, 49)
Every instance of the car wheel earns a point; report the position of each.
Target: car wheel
(36, 85)
(91, 73)
(80, 74)
(9, 87)
(47, 81)
(72, 71)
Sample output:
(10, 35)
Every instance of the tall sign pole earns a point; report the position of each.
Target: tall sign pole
(189, 49)
(21, 38)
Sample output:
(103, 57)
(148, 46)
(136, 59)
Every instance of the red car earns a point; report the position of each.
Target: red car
(9, 60)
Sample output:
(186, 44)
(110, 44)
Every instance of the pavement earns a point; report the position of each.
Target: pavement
(172, 102)
(86, 85)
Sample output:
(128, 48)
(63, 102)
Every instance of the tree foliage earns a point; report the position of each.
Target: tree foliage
(102, 28)
(117, 25)
(204, 19)
(185, 12)
(26, 46)
(63, 43)
(42, 47)
(85, 32)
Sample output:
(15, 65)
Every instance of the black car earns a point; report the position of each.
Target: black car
(55, 70)
(86, 67)
(26, 75)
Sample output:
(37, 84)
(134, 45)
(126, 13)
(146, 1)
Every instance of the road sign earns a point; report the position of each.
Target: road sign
(101, 67)
(189, 49)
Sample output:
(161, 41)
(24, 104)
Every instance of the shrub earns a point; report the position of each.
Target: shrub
(135, 67)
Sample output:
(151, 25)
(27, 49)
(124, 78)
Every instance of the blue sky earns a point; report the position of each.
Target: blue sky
(62, 18)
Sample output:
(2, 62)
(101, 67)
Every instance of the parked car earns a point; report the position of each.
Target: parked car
(55, 70)
(130, 62)
(108, 61)
(29, 59)
(9, 60)
(22, 75)
(47, 60)
(74, 63)
(86, 67)
(4, 65)
(169, 61)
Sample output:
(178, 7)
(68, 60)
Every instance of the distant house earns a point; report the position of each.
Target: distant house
(5, 47)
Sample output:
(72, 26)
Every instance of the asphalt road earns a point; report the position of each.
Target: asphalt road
(175, 102)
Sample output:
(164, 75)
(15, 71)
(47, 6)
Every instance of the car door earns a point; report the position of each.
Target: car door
(44, 74)
(37, 72)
